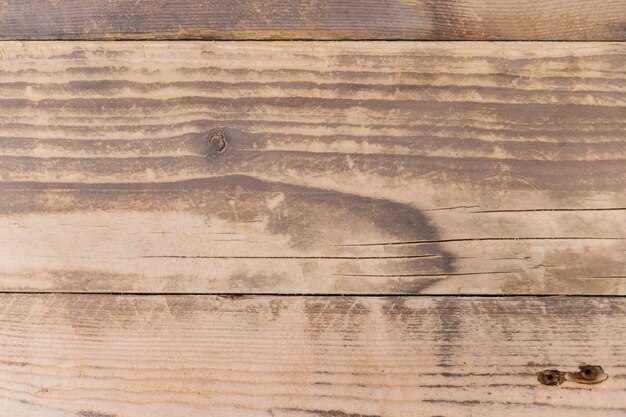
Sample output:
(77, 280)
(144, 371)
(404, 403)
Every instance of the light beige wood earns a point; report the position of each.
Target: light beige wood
(350, 167)
(179, 356)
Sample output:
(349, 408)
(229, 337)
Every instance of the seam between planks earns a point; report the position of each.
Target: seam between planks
(310, 295)
(311, 40)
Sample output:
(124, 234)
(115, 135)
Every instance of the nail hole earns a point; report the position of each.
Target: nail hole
(217, 142)
(588, 374)
(550, 377)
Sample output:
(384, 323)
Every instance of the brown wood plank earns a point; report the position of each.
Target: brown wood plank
(312, 19)
(176, 356)
(350, 167)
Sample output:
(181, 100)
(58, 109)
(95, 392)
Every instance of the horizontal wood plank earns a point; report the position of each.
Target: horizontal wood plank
(313, 19)
(349, 167)
(176, 356)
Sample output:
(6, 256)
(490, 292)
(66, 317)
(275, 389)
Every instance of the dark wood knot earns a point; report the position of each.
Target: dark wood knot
(217, 142)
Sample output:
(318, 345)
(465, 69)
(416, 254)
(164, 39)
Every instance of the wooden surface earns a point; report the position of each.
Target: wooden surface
(364, 167)
(315, 19)
(176, 356)
(234, 228)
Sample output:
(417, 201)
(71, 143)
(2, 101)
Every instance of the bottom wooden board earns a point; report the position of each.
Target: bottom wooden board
(108, 355)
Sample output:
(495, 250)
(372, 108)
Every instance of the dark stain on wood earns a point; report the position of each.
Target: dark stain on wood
(312, 211)
(314, 219)
(448, 326)
(343, 316)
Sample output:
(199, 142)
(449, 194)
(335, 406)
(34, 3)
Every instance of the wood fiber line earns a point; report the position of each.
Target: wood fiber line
(175, 356)
(316, 20)
(349, 167)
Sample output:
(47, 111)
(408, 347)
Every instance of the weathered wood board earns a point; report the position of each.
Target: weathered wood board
(315, 19)
(349, 167)
(177, 356)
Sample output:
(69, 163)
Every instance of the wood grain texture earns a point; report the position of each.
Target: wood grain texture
(315, 19)
(176, 356)
(364, 167)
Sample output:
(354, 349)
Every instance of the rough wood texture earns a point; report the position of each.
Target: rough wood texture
(180, 356)
(315, 19)
(349, 167)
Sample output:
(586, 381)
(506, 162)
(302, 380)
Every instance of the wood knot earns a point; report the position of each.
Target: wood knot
(217, 142)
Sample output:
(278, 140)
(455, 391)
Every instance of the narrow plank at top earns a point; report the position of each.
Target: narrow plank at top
(314, 19)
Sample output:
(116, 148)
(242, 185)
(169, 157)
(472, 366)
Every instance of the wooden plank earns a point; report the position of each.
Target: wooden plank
(311, 19)
(362, 167)
(99, 355)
